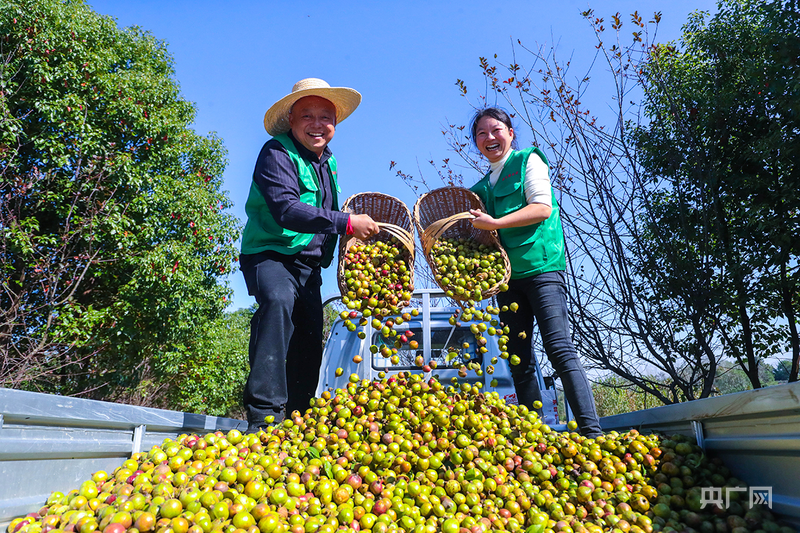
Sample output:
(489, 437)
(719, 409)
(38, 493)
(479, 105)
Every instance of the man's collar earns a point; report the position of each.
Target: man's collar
(305, 153)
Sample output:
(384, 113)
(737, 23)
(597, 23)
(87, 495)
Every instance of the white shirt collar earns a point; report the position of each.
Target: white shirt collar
(496, 167)
(499, 163)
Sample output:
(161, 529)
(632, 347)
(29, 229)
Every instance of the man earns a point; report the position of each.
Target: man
(292, 225)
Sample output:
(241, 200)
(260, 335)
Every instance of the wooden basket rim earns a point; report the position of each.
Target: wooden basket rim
(387, 197)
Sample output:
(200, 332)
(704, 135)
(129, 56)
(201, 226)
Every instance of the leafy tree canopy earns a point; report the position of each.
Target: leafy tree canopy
(114, 237)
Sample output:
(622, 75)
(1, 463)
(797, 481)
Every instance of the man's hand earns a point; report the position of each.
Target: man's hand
(363, 226)
(483, 220)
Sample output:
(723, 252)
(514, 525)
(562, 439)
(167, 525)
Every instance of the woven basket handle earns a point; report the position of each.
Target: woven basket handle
(435, 230)
(396, 231)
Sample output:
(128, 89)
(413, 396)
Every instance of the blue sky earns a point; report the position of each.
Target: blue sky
(234, 59)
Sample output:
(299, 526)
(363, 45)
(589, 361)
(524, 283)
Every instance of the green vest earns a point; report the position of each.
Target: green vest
(262, 232)
(531, 249)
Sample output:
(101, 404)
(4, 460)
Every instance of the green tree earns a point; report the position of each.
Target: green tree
(114, 238)
(731, 378)
(723, 133)
(329, 315)
(614, 396)
(214, 367)
(781, 370)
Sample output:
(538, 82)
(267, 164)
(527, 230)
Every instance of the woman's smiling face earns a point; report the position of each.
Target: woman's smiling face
(493, 138)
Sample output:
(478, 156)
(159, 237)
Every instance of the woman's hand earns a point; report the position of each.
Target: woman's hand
(483, 220)
(528, 215)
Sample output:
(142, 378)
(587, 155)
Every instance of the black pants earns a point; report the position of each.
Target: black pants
(285, 336)
(543, 298)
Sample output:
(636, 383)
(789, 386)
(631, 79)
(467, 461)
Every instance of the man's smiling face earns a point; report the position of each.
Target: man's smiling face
(313, 122)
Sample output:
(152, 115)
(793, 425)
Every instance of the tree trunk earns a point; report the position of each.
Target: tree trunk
(788, 296)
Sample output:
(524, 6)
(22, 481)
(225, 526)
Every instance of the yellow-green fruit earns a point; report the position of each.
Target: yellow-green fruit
(466, 268)
(408, 453)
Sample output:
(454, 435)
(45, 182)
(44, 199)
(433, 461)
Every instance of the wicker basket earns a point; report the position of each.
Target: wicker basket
(394, 219)
(445, 213)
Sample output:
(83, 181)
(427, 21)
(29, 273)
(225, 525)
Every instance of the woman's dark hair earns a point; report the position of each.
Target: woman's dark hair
(495, 113)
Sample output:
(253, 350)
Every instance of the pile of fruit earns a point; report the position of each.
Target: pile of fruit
(466, 269)
(406, 455)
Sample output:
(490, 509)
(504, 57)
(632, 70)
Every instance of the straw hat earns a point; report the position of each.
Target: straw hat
(276, 119)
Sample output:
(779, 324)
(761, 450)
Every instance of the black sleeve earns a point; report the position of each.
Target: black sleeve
(276, 177)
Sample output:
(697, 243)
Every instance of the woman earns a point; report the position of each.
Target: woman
(522, 207)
